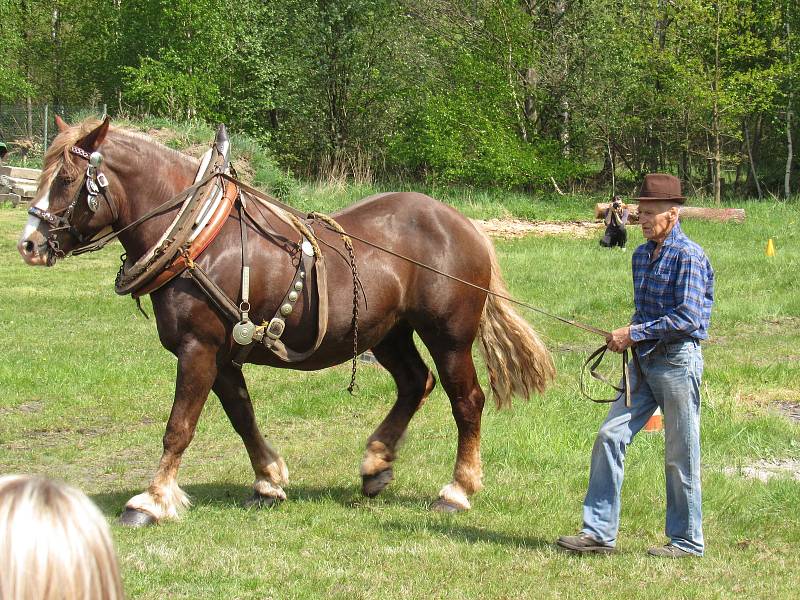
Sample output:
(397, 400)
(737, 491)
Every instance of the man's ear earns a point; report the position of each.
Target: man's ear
(674, 212)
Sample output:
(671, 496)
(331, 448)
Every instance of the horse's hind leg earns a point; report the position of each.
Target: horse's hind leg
(269, 468)
(398, 354)
(457, 372)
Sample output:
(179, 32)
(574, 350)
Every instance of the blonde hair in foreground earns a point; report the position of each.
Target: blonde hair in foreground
(54, 543)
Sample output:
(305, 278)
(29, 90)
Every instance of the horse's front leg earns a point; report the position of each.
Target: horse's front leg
(270, 470)
(163, 499)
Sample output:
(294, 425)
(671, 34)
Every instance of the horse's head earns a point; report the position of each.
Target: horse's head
(73, 201)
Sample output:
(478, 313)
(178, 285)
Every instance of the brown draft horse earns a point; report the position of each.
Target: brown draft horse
(401, 299)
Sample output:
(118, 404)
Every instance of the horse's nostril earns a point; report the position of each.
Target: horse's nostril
(28, 247)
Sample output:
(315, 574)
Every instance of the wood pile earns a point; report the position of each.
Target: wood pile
(687, 212)
(18, 185)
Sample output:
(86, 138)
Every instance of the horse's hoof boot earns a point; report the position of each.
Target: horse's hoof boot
(131, 517)
(443, 506)
(259, 501)
(372, 485)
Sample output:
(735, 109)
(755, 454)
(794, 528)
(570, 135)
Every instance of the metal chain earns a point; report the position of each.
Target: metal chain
(349, 245)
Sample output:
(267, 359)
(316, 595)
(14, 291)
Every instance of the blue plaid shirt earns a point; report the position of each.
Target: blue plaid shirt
(672, 294)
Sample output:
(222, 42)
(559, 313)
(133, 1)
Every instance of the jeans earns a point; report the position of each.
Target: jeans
(671, 375)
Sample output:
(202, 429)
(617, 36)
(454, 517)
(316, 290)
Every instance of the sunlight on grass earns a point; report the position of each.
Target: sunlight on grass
(85, 391)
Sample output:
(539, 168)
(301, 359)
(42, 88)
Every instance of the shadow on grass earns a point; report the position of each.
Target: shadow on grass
(470, 534)
(235, 495)
(207, 494)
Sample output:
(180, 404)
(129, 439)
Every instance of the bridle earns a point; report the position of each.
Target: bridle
(96, 184)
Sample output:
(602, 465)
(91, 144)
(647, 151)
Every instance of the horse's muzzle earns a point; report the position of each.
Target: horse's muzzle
(34, 251)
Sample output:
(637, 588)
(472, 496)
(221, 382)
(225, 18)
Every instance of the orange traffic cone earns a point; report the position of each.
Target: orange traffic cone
(770, 248)
(655, 422)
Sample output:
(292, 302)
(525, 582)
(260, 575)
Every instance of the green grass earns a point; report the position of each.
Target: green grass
(85, 391)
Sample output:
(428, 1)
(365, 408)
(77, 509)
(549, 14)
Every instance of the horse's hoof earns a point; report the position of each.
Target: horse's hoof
(372, 485)
(443, 506)
(131, 517)
(259, 501)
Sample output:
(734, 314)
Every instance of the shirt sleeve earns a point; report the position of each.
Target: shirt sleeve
(686, 316)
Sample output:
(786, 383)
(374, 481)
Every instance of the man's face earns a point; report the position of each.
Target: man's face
(657, 218)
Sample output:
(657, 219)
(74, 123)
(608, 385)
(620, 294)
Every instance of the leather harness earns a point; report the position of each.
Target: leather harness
(198, 222)
(175, 254)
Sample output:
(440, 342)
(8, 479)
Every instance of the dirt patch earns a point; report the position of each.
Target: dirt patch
(517, 228)
(790, 410)
(764, 470)
(32, 406)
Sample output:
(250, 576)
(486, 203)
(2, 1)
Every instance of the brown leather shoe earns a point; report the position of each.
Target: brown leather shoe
(583, 543)
(669, 551)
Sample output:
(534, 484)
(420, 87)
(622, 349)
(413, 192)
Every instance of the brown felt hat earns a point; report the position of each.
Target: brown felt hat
(660, 186)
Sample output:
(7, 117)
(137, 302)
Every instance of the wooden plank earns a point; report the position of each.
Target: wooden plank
(20, 172)
(21, 181)
(687, 212)
(24, 191)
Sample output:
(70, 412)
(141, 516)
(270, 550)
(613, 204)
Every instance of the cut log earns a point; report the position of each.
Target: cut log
(26, 191)
(687, 212)
(20, 172)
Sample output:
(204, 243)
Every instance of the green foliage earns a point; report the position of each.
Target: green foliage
(447, 142)
(164, 87)
(478, 92)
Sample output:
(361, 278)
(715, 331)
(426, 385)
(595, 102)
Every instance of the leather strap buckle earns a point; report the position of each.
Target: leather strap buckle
(275, 328)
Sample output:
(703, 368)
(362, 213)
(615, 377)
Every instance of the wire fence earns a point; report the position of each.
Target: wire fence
(28, 130)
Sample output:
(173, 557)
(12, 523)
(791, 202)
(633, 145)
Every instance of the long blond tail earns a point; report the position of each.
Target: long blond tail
(519, 363)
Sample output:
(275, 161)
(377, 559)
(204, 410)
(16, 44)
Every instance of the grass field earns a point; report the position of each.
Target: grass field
(85, 391)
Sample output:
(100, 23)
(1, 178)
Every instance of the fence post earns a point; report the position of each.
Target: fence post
(105, 110)
(44, 145)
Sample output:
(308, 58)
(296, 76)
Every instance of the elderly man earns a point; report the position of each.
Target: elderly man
(673, 287)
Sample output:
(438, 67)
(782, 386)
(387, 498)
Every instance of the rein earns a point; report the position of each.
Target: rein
(596, 358)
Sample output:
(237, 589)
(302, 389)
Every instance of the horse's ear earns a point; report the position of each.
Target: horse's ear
(94, 138)
(61, 124)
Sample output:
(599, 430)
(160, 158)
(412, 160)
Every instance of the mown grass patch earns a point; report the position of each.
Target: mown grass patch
(85, 391)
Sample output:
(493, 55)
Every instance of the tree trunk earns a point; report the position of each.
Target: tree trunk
(754, 173)
(684, 173)
(564, 126)
(686, 212)
(612, 165)
(715, 115)
(29, 119)
(787, 180)
(55, 34)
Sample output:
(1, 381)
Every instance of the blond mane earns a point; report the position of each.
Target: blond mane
(58, 154)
